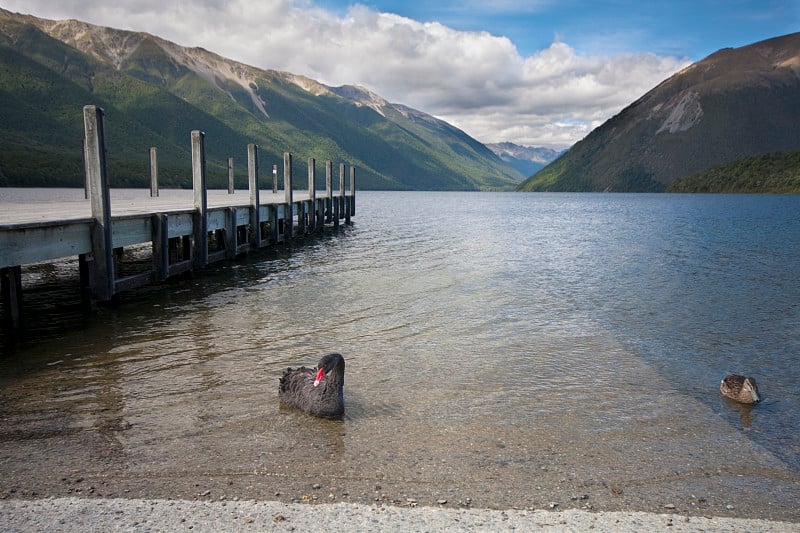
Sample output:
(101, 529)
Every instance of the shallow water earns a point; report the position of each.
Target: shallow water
(505, 346)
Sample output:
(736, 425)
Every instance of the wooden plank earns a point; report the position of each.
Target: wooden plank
(33, 245)
(242, 215)
(180, 267)
(134, 281)
(129, 231)
(216, 220)
(180, 224)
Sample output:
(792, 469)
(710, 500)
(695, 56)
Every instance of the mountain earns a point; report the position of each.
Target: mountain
(526, 159)
(736, 103)
(155, 92)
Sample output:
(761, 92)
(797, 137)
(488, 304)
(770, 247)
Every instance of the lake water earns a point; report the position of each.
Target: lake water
(502, 349)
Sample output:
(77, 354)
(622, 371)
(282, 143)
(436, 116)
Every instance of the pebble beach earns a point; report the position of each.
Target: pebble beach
(77, 514)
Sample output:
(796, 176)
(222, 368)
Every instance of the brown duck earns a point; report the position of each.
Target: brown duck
(740, 388)
(318, 391)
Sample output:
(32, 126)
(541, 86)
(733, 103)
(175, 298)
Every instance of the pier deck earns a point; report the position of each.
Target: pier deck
(185, 231)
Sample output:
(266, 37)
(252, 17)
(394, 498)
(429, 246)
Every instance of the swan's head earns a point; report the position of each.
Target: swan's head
(750, 386)
(328, 364)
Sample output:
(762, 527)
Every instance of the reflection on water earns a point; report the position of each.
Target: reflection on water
(483, 332)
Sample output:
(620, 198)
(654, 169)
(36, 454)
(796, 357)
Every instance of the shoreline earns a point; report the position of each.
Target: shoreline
(117, 514)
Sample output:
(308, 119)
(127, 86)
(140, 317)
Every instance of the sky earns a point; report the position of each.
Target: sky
(534, 72)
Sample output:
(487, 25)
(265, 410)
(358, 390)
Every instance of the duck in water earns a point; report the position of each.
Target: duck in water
(318, 391)
(740, 388)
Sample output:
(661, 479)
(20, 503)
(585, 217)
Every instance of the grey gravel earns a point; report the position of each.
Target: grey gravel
(88, 515)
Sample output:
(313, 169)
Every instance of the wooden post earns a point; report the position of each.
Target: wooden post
(352, 201)
(328, 191)
(231, 236)
(160, 223)
(272, 210)
(153, 171)
(85, 177)
(11, 288)
(312, 194)
(274, 179)
(342, 174)
(338, 202)
(101, 268)
(231, 188)
(287, 186)
(200, 199)
(255, 201)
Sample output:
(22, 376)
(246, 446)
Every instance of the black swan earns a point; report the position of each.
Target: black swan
(740, 388)
(318, 391)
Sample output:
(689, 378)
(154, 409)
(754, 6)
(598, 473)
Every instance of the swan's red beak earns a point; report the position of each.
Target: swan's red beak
(320, 375)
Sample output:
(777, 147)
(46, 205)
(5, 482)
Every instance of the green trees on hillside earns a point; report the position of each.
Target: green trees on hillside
(777, 172)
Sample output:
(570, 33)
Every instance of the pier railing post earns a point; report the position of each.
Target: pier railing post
(328, 191)
(351, 201)
(255, 201)
(287, 187)
(312, 194)
(338, 209)
(231, 188)
(274, 179)
(101, 269)
(153, 171)
(200, 199)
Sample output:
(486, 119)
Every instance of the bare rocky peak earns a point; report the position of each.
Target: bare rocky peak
(361, 96)
(525, 153)
(115, 47)
(106, 44)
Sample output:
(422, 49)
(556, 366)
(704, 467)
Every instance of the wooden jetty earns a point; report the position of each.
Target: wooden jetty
(183, 236)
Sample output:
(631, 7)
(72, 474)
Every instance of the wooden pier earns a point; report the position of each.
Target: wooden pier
(183, 236)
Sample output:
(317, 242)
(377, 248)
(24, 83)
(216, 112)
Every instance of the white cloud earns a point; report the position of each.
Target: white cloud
(476, 81)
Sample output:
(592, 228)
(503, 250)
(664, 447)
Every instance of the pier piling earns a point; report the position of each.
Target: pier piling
(255, 199)
(101, 262)
(200, 249)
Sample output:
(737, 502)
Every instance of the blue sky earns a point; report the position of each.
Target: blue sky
(537, 72)
(692, 29)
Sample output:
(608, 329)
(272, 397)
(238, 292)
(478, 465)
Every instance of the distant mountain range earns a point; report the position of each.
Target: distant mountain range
(526, 159)
(734, 104)
(155, 92)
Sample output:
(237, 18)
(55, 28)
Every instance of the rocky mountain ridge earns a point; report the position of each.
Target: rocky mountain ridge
(736, 103)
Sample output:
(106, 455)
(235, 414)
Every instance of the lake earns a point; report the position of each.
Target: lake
(503, 350)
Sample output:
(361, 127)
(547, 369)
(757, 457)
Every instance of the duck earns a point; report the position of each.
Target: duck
(318, 391)
(742, 389)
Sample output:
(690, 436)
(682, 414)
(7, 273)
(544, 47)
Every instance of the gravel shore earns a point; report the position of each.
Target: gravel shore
(76, 514)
